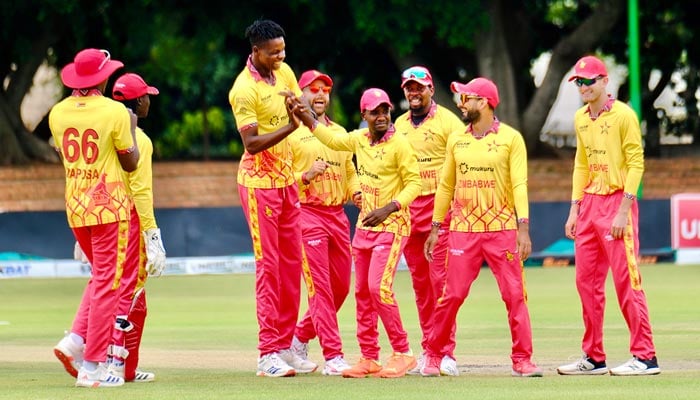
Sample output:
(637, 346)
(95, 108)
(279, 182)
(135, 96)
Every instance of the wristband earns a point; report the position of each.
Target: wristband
(398, 205)
(436, 224)
(629, 196)
(523, 220)
(574, 202)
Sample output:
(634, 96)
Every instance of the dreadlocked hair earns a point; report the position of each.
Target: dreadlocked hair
(263, 30)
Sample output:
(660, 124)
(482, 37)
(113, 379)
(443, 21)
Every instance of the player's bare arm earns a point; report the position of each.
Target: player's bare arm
(129, 160)
(524, 242)
(376, 217)
(570, 226)
(617, 230)
(255, 143)
(430, 243)
(317, 168)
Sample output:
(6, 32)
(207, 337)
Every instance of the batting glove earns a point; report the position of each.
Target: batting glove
(155, 252)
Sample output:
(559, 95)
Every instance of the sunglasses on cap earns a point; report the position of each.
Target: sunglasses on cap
(466, 97)
(414, 73)
(316, 89)
(586, 82)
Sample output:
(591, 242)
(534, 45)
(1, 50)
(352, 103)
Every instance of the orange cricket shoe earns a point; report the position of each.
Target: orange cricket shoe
(364, 368)
(398, 365)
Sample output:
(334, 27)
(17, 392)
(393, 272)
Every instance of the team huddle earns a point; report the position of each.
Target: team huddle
(447, 193)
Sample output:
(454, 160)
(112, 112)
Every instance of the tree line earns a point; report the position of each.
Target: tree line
(192, 52)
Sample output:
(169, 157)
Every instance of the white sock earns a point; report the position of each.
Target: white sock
(77, 339)
(90, 366)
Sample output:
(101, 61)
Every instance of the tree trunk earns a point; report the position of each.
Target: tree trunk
(17, 145)
(569, 49)
(493, 59)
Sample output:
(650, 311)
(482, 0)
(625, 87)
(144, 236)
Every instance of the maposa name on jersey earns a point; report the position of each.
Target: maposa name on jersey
(82, 173)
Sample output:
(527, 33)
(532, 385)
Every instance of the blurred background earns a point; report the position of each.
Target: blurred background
(192, 51)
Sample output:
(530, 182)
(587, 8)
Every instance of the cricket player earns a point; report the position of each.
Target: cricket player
(95, 137)
(146, 254)
(485, 180)
(327, 180)
(389, 181)
(269, 195)
(427, 126)
(603, 221)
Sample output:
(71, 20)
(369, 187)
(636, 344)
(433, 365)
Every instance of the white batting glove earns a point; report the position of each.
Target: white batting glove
(155, 252)
(78, 253)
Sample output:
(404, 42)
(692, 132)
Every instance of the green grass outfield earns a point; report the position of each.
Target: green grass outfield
(201, 335)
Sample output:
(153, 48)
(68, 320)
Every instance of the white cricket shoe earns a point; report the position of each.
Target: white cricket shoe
(70, 354)
(299, 348)
(271, 365)
(420, 363)
(299, 364)
(584, 366)
(335, 366)
(448, 366)
(100, 377)
(637, 366)
(116, 368)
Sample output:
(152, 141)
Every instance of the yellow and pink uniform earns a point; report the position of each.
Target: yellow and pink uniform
(270, 202)
(608, 166)
(429, 140)
(90, 131)
(484, 184)
(325, 234)
(388, 172)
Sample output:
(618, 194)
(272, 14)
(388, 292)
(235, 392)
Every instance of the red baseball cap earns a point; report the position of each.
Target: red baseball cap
(373, 98)
(589, 67)
(131, 86)
(311, 75)
(417, 74)
(89, 68)
(479, 87)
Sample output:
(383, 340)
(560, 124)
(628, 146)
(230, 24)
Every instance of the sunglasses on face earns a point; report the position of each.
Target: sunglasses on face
(316, 89)
(466, 97)
(414, 73)
(586, 82)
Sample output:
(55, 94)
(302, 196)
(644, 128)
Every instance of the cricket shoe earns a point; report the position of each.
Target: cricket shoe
(526, 369)
(116, 368)
(70, 354)
(300, 348)
(432, 366)
(364, 368)
(637, 366)
(420, 363)
(397, 365)
(448, 366)
(335, 366)
(300, 365)
(584, 366)
(271, 365)
(100, 377)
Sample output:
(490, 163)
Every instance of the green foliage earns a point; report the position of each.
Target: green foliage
(184, 138)
(406, 24)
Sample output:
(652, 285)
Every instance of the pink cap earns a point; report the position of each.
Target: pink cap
(479, 87)
(589, 67)
(417, 74)
(131, 86)
(373, 98)
(311, 75)
(89, 68)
